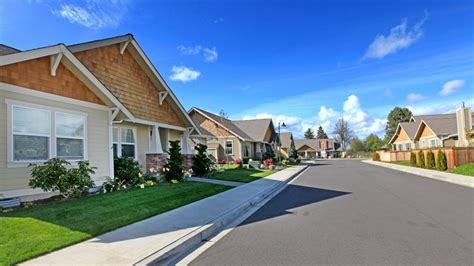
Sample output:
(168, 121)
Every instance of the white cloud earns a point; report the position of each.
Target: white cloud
(184, 74)
(360, 121)
(440, 108)
(189, 50)
(415, 97)
(94, 14)
(210, 55)
(399, 37)
(451, 87)
(218, 20)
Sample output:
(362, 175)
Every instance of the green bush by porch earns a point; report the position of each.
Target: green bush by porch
(27, 233)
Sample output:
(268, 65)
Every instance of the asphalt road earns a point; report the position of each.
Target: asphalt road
(349, 212)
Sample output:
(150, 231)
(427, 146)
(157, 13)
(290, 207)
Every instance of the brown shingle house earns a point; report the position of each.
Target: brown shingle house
(235, 139)
(93, 101)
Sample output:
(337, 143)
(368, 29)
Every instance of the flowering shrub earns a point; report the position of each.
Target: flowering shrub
(149, 183)
(268, 162)
(222, 162)
(127, 172)
(187, 174)
(237, 161)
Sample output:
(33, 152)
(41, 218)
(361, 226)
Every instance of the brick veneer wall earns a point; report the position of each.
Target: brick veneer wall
(158, 161)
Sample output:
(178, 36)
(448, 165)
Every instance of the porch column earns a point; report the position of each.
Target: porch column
(185, 149)
(156, 148)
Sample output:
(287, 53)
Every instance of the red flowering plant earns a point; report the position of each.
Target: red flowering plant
(222, 162)
(268, 163)
(237, 161)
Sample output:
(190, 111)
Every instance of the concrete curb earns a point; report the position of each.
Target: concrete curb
(462, 180)
(193, 239)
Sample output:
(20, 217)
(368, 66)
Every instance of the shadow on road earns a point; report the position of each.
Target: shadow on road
(292, 197)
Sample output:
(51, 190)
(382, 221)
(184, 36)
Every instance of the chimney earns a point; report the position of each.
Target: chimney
(464, 124)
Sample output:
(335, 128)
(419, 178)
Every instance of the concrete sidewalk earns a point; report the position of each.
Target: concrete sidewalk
(167, 235)
(462, 180)
(216, 181)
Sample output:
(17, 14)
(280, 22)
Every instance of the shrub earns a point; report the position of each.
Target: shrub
(375, 157)
(245, 161)
(201, 162)
(222, 162)
(421, 159)
(237, 161)
(54, 176)
(430, 160)
(269, 154)
(268, 162)
(111, 185)
(127, 172)
(442, 163)
(173, 169)
(412, 159)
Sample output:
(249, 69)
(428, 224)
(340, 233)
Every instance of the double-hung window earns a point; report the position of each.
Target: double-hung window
(70, 136)
(228, 147)
(31, 134)
(124, 142)
(41, 133)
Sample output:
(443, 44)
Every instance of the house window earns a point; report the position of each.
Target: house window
(36, 136)
(400, 147)
(124, 142)
(434, 143)
(70, 132)
(228, 147)
(408, 146)
(31, 129)
(246, 151)
(423, 144)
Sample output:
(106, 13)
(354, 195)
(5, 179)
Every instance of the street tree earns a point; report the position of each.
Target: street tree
(321, 133)
(373, 142)
(357, 145)
(343, 133)
(309, 134)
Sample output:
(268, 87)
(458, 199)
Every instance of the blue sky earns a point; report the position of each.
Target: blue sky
(307, 63)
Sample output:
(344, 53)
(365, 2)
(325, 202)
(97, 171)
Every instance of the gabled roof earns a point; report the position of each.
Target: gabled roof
(314, 143)
(441, 126)
(70, 60)
(409, 127)
(126, 42)
(5, 49)
(255, 128)
(418, 118)
(285, 139)
(223, 122)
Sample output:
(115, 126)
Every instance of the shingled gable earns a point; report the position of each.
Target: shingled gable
(137, 83)
(225, 123)
(257, 129)
(59, 58)
(410, 129)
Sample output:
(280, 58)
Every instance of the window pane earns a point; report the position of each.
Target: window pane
(115, 150)
(127, 135)
(31, 121)
(128, 151)
(70, 148)
(115, 134)
(28, 148)
(68, 125)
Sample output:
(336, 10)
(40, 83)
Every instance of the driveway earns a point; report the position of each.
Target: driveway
(347, 212)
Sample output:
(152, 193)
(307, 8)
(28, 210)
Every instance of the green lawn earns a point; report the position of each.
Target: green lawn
(404, 163)
(466, 169)
(242, 175)
(26, 233)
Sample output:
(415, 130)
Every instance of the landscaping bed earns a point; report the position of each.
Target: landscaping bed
(30, 232)
(237, 174)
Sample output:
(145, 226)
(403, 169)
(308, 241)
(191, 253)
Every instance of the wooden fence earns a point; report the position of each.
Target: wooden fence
(454, 156)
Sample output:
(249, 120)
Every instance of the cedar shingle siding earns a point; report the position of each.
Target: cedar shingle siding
(125, 78)
(35, 74)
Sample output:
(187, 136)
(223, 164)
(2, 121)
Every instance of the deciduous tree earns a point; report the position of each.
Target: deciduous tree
(343, 133)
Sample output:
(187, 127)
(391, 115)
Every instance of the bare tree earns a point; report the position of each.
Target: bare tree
(343, 133)
(223, 113)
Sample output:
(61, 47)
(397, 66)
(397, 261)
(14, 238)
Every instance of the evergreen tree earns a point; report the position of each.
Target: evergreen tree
(412, 159)
(421, 159)
(321, 133)
(309, 134)
(397, 115)
(201, 162)
(430, 162)
(173, 169)
(441, 163)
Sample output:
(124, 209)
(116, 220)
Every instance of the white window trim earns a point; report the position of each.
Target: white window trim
(84, 138)
(119, 143)
(231, 147)
(52, 137)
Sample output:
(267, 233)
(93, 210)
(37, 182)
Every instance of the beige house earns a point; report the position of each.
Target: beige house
(287, 144)
(93, 101)
(234, 139)
(317, 148)
(432, 131)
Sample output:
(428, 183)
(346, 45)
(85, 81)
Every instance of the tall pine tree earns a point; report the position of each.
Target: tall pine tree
(321, 133)
(309, 134)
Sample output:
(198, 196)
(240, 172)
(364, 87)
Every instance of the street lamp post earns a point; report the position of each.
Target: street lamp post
(282, 124)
